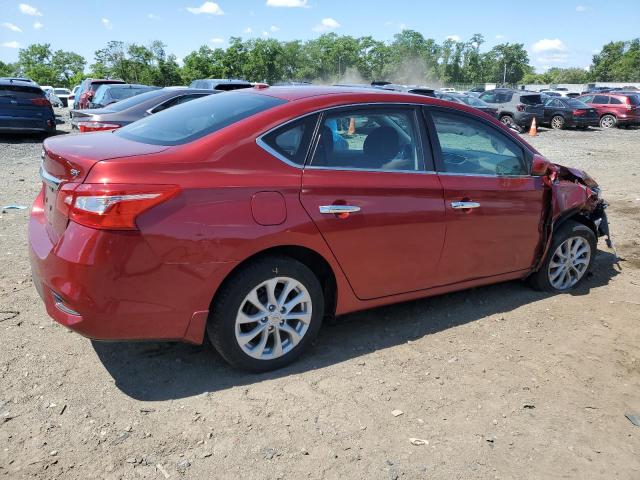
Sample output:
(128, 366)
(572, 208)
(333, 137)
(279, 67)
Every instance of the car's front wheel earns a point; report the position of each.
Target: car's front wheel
(570, 256)
(267, 314)
(557, 122)
(608, 121)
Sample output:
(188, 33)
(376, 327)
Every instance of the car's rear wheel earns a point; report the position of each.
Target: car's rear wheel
(569, 258)
(267, 314)
(510, 122)
(557, 122)
(608, 121)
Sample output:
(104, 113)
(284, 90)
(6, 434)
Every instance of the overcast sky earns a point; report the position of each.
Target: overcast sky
(556, 33)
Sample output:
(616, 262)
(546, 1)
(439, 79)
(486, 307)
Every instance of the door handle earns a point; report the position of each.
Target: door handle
(464, 205)
(338, 209)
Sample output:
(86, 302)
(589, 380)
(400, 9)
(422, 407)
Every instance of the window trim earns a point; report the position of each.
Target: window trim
(437, 149)
(269, 149)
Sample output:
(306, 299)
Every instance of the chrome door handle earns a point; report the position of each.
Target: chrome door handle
(464, 205)
(338, 209)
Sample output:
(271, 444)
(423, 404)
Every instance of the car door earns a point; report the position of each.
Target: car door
(493, 205)
(371, 191)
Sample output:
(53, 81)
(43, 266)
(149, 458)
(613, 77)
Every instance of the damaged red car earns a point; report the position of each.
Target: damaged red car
(248, 217)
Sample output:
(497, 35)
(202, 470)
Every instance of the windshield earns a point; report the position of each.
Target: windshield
(192, 120)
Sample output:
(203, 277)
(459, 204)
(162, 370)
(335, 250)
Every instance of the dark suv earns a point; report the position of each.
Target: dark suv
(220, 84)
(24, 108)
(87, 90)
(516, 108)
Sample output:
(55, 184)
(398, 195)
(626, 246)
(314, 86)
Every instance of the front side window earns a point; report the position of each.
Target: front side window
(384, 139)
(471, 147)
(192, 120)
(291, 141)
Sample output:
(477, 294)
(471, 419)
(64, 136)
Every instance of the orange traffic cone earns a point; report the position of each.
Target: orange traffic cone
(352, 126)
(533, 131)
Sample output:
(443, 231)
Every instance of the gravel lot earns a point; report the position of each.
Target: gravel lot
(501, 382)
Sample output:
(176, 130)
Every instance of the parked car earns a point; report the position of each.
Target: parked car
(72, 98)
(614, 109)
(447, 90)
(416, 89)
(63, 94)
(224, 84)
(49, 93)
(236, 216)
(516, 108)
(468, 100)
(564, 112)
(111, 93)
(87, 90)
(122, 113)
(20, 79)
(25, 108)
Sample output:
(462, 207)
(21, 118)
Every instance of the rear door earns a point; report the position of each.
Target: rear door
(493, 206)
(371, 191)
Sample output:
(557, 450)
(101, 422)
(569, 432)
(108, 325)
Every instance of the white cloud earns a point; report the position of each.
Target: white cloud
(326, 24)
(273, 28)
(248, 30)
(153, 16)
(499, 36)
(13, 44)
(38, 25)
(549, 45)
(265, 34)
(210, 8)
(29, 10)
(582, 8)
(217, 40)
(288, 3)
(553, 58)
(11, 26)
(455, 38)
(107, 23)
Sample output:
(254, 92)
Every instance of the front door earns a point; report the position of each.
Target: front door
(371, 191)
(493, 205)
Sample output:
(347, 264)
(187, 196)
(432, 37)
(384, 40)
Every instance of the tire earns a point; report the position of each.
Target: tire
(510, 122)
(608, 121)
(260, 324)
(557, 122)
(550, 276)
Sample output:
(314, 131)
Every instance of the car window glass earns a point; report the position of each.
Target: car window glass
(601, 99)
(615, 101)
(587, 99)
(470, 146)
(189, 121)
(384, 139)
(531, 99)
(292, 140)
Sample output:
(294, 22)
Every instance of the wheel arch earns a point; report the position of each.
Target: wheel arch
(312, 259)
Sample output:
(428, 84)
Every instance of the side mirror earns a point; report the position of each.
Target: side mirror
(539, 166)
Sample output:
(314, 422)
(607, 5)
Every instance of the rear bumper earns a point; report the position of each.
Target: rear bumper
(12, 124)
(112, 286)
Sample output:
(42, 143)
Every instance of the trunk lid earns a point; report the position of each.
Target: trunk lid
(67, 161)
(17, 100)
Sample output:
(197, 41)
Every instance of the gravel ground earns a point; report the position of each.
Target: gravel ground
(499, 382)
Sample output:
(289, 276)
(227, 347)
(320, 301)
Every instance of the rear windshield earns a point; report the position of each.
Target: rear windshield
(192, 120)
(20, 91)
(61, 91)
(531, 99)
(120, 93)
(136, 100)
(576, 103)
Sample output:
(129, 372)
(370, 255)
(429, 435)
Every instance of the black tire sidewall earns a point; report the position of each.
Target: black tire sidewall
(569, 229)
(221, 324)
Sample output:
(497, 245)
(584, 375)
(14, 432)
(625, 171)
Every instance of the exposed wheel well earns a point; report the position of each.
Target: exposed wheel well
(577, 217)
(316, 263)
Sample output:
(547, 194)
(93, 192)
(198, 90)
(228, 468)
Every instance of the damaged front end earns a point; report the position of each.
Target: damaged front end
(574, 195)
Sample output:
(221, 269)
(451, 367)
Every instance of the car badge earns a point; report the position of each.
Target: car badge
(75, 172)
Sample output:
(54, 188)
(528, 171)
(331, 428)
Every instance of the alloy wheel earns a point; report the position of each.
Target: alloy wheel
(273, 318)
(607, 121)
(557, 122)
(569, 263)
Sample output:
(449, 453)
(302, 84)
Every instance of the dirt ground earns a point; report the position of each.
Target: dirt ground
(500, 382)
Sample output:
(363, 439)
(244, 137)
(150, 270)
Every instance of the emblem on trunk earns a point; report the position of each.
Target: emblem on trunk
(74, 172)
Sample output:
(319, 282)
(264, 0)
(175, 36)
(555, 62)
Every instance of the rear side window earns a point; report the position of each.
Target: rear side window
(472, 147)
(531, 99)
(291, 141)
(615, 101)
(192, 120)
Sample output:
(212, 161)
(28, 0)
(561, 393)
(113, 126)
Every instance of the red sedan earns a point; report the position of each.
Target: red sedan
(250, 216)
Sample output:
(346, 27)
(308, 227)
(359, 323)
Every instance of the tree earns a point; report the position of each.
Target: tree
(7, 69)
(203, 63)
(507, 63)
(39, 63)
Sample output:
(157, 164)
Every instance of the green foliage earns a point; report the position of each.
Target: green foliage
(409, 58)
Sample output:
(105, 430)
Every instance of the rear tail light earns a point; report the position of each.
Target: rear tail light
(111, 207)
(579, 113)
(520, 107)
(41, 102)
(629, 105)
(96, 126)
